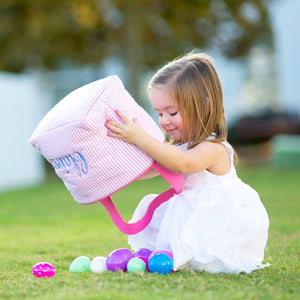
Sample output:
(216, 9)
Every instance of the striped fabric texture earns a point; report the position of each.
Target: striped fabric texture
(73, 138)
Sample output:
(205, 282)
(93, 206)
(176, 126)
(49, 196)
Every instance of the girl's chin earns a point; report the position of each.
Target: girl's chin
(175, 137)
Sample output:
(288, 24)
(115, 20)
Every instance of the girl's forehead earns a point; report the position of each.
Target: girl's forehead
(161, 99)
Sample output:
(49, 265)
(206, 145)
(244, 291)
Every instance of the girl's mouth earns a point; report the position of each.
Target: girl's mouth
(171, 131)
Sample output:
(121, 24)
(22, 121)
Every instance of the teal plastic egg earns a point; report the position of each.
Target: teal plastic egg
(136, 265)
(80, 264)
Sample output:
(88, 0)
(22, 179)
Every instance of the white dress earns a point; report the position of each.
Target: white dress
(216, 224)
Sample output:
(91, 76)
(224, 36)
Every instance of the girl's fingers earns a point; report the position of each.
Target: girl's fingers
(122, 116)
(115, 126)
(115, 135)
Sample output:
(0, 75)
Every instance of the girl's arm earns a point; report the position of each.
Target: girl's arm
(203, 156)
(149, 174)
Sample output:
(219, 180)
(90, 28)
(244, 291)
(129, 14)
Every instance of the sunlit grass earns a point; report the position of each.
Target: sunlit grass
(44, 223)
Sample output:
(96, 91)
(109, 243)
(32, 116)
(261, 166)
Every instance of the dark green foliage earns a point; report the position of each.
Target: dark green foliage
(49, 33)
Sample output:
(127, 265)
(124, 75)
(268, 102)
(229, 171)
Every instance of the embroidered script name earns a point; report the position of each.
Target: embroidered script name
(75, 159)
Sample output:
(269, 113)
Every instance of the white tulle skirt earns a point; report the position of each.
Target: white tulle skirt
(214, 229)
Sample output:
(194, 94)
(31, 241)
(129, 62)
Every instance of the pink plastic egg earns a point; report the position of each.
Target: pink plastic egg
(162, 251)
(43, 270)
(145, 260)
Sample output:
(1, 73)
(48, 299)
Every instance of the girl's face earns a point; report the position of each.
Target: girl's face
(169, 116)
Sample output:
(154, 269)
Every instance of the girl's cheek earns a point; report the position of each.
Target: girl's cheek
(161, 124)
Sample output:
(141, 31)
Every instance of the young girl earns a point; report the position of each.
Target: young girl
(217, 223)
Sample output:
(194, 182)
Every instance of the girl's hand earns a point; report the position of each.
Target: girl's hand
(129, 131)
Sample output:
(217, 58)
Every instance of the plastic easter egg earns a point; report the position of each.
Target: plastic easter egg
(143, 252)
(145, 260)
(117, 260)
(136, 265)
(98, 264)
(43, 270)
(80, 264)
(160, 263)
(162, 251)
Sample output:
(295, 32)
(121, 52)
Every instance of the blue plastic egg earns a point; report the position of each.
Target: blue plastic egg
(160, 263)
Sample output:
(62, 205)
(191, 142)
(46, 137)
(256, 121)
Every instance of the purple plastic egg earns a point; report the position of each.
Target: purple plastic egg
(143, 252)
(117, 260)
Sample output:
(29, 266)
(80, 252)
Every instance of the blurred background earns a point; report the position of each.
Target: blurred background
(49, 48)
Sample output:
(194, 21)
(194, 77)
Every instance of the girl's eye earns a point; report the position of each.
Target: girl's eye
(173, 114)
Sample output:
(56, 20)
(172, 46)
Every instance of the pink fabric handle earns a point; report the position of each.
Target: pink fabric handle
(133, 228)
(174, 179)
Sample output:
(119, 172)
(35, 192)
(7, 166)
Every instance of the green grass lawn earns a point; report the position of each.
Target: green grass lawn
(44, 223)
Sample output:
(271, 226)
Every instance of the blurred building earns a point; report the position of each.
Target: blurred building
(268, 78)
(22, 102)
(285, 20)
(268, 103)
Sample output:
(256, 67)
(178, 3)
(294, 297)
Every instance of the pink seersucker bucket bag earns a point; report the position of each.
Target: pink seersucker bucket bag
(73, 138)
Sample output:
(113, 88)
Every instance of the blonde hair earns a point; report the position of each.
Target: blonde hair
(195, 85)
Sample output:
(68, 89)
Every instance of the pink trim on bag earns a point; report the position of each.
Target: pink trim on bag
(133, 228)
(174, 179)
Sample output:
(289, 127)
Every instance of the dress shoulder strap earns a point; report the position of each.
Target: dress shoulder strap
(229, 150)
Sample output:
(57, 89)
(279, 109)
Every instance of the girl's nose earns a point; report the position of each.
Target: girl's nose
(166, 120)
